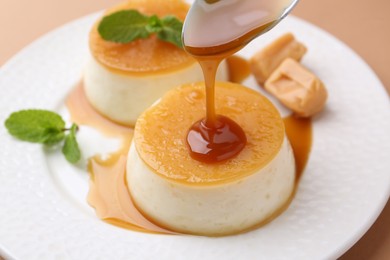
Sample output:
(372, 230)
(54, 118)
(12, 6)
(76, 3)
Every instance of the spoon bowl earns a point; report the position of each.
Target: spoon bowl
(222, 27)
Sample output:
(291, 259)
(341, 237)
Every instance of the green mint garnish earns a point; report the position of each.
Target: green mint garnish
(129, 25)
(37, 126)
(124, 26)
(42, 126)
(71, 148)
(154, 24)
(171, 30)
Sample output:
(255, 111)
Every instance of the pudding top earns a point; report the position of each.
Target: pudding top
(161, 131)
(143, 56)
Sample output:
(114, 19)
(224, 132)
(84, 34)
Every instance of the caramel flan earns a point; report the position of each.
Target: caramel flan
(122, 80)
(186, 195)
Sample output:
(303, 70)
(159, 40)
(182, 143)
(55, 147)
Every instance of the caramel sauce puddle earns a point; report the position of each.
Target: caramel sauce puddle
(108, 192)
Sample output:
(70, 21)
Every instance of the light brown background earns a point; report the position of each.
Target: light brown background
(363, 25)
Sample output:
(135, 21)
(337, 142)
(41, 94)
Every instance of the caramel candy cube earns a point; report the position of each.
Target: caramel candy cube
(297, 88)
(265, 61)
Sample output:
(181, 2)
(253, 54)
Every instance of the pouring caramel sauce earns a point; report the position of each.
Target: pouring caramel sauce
(213, 31)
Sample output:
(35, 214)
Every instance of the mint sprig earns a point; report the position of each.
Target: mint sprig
(36, 126)
(46, 127)
(129, 25)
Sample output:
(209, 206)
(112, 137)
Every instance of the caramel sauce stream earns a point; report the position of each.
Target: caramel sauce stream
(214, 138)
(217, 138)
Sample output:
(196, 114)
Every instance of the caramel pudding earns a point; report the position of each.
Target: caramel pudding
(109, 194)
(186, 195)
(122, 80)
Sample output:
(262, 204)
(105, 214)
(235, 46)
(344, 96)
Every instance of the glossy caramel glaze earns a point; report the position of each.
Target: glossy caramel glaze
(224, 140)
(162, 131)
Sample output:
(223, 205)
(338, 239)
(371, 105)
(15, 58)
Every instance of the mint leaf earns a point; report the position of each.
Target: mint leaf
(124, 26)
(129, 25)
(171, 31)
(43, 126)
(154, 24)
(37, 126)
(54, 136)
(71, 148)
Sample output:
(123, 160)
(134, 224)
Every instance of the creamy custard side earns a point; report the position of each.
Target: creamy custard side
(123, 98)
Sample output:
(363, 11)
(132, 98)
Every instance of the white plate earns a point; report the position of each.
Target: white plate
(44, 214)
